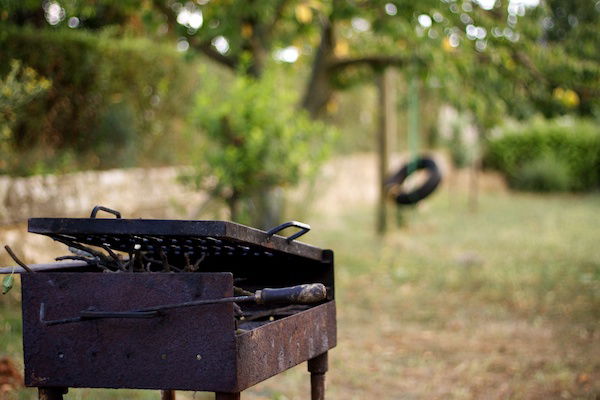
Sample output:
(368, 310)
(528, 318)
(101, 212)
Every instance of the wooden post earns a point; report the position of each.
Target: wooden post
(387, 127)
(474, 175)
(474, 184)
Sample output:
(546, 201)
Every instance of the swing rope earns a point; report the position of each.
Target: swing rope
(413, 121)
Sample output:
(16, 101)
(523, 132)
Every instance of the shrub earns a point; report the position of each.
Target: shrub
(20, 86)
(545, 174)
(574, 145)
(256, 141)
(108, 95)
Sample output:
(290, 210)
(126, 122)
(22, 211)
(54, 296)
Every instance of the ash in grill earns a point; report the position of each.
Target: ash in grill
(187, 305)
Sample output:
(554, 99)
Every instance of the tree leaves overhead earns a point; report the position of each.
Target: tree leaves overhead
(503, 52)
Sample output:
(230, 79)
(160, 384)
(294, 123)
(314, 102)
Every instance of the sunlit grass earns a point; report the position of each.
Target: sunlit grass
(534, 255)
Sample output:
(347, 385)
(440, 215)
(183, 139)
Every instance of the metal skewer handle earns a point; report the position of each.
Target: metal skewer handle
(309, 293)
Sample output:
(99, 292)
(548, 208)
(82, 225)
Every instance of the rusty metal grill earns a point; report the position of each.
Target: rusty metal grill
(181, 305)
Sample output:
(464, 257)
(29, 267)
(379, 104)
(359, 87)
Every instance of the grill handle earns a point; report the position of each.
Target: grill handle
(304, 228)
(105, 209)
(308, 293)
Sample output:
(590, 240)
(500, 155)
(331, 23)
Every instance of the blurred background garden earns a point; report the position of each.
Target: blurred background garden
(268, 111)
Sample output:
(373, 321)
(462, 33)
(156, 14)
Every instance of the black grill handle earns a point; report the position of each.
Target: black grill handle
(302, 226)
(105, 209)
(309, 293)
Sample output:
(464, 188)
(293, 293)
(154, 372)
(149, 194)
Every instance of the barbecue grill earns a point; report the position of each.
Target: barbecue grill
(175, 305)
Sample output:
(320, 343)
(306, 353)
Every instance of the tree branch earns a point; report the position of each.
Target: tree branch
(373, 61)
(270, 28)
(209, 50)
(162, 6)
(201, 45)
(523, 59)
(319, 89)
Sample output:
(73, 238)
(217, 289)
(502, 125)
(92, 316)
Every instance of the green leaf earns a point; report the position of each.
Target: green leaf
(7, 283)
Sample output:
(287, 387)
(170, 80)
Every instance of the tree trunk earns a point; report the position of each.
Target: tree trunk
(268, 207)
(319, 89)
(233, 203)
(255, 46)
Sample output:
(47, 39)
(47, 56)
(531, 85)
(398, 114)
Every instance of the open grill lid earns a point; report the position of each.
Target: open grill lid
(216, 239)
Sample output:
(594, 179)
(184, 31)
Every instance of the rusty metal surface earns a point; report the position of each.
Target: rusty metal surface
(317, 367)
(227, 396)
(218, 238)
(51, 393)
(167, 395)
(317, 386)
(49, 267)
(112, 341)
(272, 348)
(185, 349)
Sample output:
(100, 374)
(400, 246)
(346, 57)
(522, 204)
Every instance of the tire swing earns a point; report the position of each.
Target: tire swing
(403, 197)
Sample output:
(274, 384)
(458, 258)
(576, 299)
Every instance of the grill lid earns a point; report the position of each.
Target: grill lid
(178, 237)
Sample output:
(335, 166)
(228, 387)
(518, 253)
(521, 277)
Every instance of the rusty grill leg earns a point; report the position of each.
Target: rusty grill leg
(51, 393)
(227, 396)
(317, 367)
(167, 395)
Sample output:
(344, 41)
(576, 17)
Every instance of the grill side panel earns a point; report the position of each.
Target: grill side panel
(186, 349)
(273, 348)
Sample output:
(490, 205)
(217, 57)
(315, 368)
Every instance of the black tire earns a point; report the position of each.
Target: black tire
(413, 197)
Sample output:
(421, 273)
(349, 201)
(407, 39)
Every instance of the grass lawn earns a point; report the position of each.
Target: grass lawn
(502, 303)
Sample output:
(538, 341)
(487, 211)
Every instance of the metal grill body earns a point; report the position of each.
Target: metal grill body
(197, 348)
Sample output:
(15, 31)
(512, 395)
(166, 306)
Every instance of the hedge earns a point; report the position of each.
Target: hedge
(566, 146)
(109, 95)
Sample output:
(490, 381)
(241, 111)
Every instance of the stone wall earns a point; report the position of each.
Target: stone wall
(136, 193)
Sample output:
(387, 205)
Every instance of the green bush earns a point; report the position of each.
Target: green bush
(19, 87)
(573, 145)
(545, 174)
(110, 97)
(256, 141)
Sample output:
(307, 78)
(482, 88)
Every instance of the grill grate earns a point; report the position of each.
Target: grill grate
(176, 246)
(176, 238)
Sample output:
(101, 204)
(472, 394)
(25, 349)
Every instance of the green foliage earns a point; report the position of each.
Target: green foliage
(110, 97)
(572, 146)
(116, 134)
(19, 87)
(544, 174)
(7, 283)
(459, 152)
(256, 140)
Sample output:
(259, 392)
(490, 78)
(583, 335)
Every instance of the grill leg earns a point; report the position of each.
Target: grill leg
(227, 396)
(167, 395)
(317, 367)
(51, 393)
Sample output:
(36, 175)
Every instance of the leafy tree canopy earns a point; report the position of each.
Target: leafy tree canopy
(491, 57)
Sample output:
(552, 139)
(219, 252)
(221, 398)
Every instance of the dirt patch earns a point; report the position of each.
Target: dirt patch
(10, 377)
